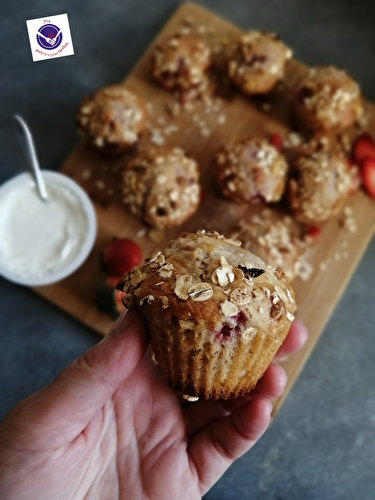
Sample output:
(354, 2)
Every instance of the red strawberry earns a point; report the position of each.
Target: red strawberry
(276, 141)
(364, 147)
(314, 231)
(121, 255)
(368, 176)
(109, 299)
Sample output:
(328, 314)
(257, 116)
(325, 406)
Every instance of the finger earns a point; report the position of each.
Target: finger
(270, 386)
(213, 450)
(294, 341)
(86, 384)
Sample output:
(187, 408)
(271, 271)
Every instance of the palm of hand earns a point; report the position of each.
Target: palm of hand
(130, 438)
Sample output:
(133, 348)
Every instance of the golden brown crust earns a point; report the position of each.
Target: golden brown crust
(161, 186)
(249, 170)
(216, 313)
(180, 63)
(112, 119)
(321, 182)
(256, 62)
(327, 100)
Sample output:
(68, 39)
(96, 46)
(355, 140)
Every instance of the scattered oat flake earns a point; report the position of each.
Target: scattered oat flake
(157, 138)
(86, 174)
(141, 233)
(100, 184)
(156, 235)
(221, 119)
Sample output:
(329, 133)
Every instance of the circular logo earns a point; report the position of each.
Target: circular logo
(49, 36)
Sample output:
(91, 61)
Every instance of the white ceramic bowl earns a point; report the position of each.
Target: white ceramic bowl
(88, 242)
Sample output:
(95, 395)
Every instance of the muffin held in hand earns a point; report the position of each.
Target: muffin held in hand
(180, 63)
(161, 186)
(250, 170)
(321, 182)
(327, 100)
(256, 62)
(112, 119)
(216, 313)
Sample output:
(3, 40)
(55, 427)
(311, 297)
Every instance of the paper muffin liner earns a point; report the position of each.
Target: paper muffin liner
(198, 364)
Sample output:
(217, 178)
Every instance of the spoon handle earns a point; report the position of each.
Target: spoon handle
(28, 144)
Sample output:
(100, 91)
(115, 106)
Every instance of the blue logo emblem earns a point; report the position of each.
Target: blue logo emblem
(49, 36)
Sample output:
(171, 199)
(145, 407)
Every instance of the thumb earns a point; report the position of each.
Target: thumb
(84, 386)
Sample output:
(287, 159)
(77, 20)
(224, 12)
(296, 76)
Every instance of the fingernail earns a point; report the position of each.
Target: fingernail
(123, 321)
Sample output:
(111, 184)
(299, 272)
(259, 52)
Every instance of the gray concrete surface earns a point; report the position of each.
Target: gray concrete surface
(322, 443)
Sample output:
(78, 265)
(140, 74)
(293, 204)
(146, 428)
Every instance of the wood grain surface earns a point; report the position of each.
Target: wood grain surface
(200, 133)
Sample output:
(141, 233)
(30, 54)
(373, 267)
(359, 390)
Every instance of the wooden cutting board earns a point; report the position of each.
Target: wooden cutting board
(200, 132)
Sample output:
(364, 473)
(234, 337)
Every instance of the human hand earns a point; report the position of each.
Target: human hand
(110, 428)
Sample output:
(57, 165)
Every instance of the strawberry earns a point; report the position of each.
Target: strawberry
(276, 141)
(121, 255)
(368, 176)
(364, 147)
(109, 299)
(314, 231)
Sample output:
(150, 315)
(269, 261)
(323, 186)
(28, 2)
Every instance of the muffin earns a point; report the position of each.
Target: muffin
(216, 313)
(327, 100)
(277, 239)
(250, 170)
(180, 63)
(112, 119)
(256, 62)
(321, 182)
(161, 186)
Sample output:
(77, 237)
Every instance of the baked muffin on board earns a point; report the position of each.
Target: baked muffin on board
(256, 62)
(112, 119)
(321, 181)
(277, 239)
(216, 313)
(180, 62)
(327, 100)
(161, 186)
(250, 170)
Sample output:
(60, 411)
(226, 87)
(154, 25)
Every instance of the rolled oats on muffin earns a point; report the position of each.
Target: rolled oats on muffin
(216, 313)
(320, 183)
(161, 186)
(256, 62)
(180, 62)
(112, 119)
(277, 239)
(250, 170)
(327, 100)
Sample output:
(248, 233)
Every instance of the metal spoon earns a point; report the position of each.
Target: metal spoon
(26, 138)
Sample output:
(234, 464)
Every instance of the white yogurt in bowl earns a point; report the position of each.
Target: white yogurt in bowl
(42, 242)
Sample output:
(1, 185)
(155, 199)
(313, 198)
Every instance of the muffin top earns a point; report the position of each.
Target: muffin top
(321, 182)
(112, 118)
(249, 170)
(327, 99)
(161, 186)
(205, 279)
(180, 62)
(257, 61)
